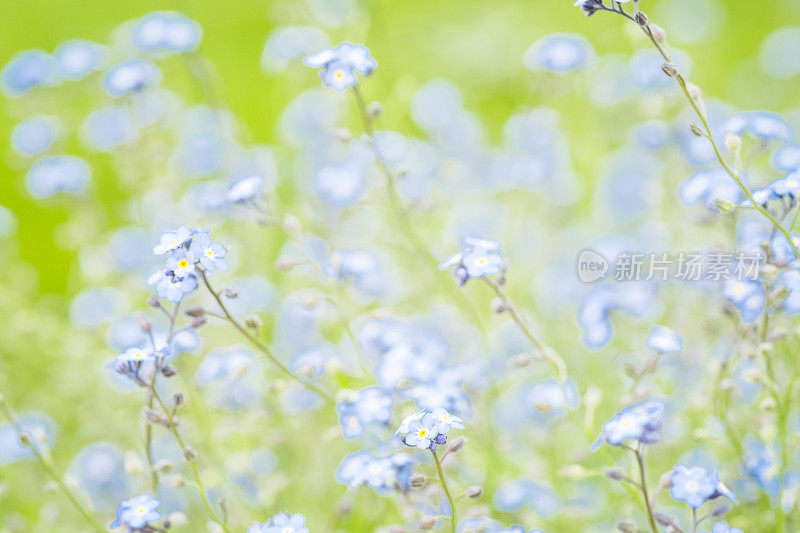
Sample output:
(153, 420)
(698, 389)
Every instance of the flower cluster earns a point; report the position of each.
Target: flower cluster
(479, 258)
(190, 251)
(427, 430)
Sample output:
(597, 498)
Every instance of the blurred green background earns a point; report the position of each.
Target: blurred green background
(477, 45)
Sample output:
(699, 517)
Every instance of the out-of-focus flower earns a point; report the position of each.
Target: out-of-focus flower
(340, 64)
(696, 485)
(664, 340)
(640, 422)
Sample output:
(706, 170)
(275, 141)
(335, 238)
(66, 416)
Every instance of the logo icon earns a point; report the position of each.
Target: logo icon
(591, 266)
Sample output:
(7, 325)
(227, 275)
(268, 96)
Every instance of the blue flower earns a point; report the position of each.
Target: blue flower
(382, 474)
(590, 7)
(33, 136)
(245, 189)
(723, 527)
(210, 254)
(130, 362)
(696, 485)
(27, 70)
(172, 240)
(664, 340)
(446, 421)
(166, 31)
(50, 175)
(106, 129)
(639, 422)
(169, 287)
(709, 186)
(748, 296)
(786, 158)
(288, 43)
(340, 65)
(426, 430)
(478, 259)
(561, 53)
(136, 512)
(281, 523)
(760, 124)
(77, 59)
(130, 76)
(370, 405)
(39, 426)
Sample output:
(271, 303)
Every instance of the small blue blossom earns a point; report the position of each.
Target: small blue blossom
(50, 175)
(696, 485)
(26, 70)
(786, 158)
(723, 527)
(172, 240)
(38, 426)
(245, 189)
(77, 59)
(479, 258)
(748, 296)
(33, 136)
(130, 76)
(640, 422)
(281, 523)
(709, 186)
(664, 340)
(210, 254)
(370, 405)
(590, 7)
(339, 65)
(289, 43)
(425, 430)
(137, 512)
(130, 362)
(106, 129)
(166, 31)
(760, 124)
(382, 474)
(561, 53)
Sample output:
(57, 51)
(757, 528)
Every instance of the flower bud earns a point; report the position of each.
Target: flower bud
(231, 292)
(724, 205)
(167, 371)
(427, 522)
(24, 439)
(175, 480)
(641, 18)
(615, 474)
(189, 453)
(499, 306)
(695, 129)
(658, 33)
(163, 466)
(195, 312)
(177, 399)
(417, 480)
(343, 135)
(520, 360)
(733, 142)
(626, 526)
(457, 444)
(253, 322)
(154, 302)
(720, 510)
(670, 69)
(198, 322)
(694, 91)
(474, 491)
(374, 109)
(144, 324)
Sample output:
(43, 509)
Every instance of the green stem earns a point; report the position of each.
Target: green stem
(173, 428)
(404, 221)
(263, 348)
(550, 355)
(48, 467)
(446, 491)
(643, 488)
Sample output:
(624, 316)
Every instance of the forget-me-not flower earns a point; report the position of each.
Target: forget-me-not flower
(664, 340)
(137, 512)
(479, 258)
(639, 422)
(696, 485)
(339, 65)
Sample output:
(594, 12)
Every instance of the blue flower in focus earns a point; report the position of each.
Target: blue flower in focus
(748, 296)
(370, 405)
(723, 527)
(130, 76)
(77, 59)
(130, 362)
(33, 136)
(166, 31)
(640, 422)
(27, 70)
(696, 485)
(426, 430)
(137, 512)
(589, 7)
(561, 53)
(50, 175)
(446, 421)
(281, 523)
(210, 254)
(478, 259)
(339, 65)
(664, 340)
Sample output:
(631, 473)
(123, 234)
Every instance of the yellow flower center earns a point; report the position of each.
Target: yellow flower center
(423, 432)
(183, 263)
